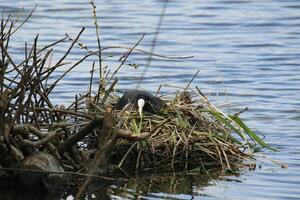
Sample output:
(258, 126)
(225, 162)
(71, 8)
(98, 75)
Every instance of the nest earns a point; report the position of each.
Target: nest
(89, 136)
(189, 132)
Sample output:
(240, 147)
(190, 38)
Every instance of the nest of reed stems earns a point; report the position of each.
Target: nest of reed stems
(188, 133)
(87, 137)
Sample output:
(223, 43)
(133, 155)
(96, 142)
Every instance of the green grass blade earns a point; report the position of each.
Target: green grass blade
(250, 133)
(137, 130)
(135, 126)
(181, 121)
(219, 117)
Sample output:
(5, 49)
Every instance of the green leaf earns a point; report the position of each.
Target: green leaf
(225, 121)
(137, 130)
(135, 126)
(181, 121)
(250, 133)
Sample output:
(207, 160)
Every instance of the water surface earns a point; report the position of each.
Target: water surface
(247, 52)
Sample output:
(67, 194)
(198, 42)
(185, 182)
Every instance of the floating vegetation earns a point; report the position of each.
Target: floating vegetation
(90, 138)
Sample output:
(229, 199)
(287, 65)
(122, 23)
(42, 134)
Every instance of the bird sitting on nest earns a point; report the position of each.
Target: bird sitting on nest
(142, 100)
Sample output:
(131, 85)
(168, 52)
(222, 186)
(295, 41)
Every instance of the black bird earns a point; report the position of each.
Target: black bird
(142, 99)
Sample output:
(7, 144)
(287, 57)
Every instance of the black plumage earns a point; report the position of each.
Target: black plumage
(153, 104)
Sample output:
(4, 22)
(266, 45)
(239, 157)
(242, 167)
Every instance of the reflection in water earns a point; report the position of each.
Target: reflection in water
(252, 45)
(167, 185)
(150, 185)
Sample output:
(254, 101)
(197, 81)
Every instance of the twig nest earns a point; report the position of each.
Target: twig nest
(185, 98)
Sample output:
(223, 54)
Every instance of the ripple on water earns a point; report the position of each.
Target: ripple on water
(250, 49)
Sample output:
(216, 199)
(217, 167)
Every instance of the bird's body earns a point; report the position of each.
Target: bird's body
(145, 101)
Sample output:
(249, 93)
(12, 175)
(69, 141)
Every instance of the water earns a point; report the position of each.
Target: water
(248, 50)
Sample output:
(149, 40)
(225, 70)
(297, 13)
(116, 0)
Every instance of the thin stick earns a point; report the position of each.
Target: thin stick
(24, 21)
(79, 99)
(65, 73)
(127, 54)
(282, 165)
(68, 51)
(98, 38)
(188, 85)
(91, 79)
(39, 51)
(50, 136)
(107, 92)
(128, 48)
(148, 52)
(158, 90)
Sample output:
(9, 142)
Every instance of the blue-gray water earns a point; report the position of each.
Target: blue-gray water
(249, 50)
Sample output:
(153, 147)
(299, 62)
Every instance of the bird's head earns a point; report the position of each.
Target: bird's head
(141, 103)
